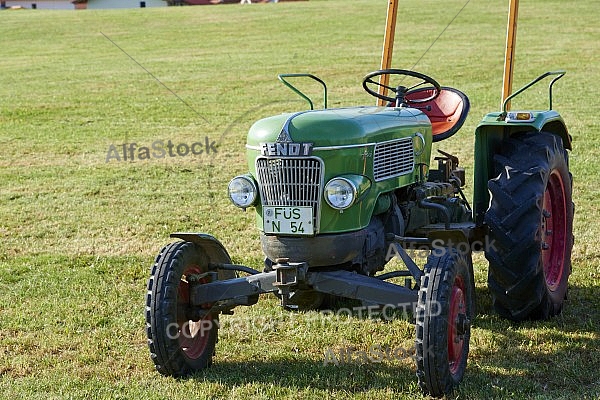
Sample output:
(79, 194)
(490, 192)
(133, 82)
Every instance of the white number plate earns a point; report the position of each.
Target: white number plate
(288, 220)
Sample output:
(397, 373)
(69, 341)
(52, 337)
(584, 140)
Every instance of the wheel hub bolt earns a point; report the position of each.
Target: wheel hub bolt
(546, 214)
(462, 324)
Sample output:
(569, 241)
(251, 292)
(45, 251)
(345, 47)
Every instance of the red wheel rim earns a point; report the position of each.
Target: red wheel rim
(554, 231)
(457, 325)
(193, 336)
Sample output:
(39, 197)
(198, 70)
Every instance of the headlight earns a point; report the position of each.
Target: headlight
(242, 191)
(340, 193)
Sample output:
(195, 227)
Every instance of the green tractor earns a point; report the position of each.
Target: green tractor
(338, 192)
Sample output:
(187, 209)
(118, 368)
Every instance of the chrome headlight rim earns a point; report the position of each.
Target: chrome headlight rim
(350, 184)
(418, 143)
(248, 183)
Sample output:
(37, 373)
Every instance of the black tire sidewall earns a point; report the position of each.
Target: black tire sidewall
(432, 356)
(169, 357)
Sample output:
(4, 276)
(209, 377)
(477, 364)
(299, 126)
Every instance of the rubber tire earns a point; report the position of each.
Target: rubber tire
(441, 275)
(166, 332)
(517, 274)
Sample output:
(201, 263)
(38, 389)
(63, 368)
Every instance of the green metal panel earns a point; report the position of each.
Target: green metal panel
(339, 127)
(345, 139)
(490, 133)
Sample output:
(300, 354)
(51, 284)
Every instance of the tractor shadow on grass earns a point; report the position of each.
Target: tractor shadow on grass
(537, 358)
(355, 369)
(301, 374)
(507, 359)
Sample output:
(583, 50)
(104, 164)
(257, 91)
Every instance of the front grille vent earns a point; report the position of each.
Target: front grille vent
(290, 181)
(393, 158)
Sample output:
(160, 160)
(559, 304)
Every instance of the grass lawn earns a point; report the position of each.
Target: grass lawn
(80, 228)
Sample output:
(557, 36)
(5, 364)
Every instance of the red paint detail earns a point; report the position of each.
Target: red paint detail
(193, 336)
(554, 230)
(446, 109)
(456, 313)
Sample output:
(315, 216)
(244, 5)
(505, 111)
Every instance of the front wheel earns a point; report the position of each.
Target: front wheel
(180, 343)
(444, 313)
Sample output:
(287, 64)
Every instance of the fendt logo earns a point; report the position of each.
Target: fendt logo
(286, 149)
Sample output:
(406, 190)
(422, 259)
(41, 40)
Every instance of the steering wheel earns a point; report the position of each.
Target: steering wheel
(400, 90)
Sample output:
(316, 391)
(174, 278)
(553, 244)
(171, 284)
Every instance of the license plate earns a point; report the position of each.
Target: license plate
(288, 220)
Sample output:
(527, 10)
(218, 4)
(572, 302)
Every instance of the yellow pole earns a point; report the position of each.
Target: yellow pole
(509, 55)
(388, 46)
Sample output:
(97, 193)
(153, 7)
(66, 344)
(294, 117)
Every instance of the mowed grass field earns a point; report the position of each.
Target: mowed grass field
(79, 228)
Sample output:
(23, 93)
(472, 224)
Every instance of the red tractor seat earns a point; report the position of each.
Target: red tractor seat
(447, 112)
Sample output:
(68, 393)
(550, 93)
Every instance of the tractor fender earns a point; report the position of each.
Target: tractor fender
(215, 251)
(490, 134)
(495, 127)
(559, 128)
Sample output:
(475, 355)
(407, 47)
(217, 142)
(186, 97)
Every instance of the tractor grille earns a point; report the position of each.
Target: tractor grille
(393, 158)
(290, 181)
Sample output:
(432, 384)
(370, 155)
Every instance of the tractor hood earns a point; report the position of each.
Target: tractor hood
(337, 127)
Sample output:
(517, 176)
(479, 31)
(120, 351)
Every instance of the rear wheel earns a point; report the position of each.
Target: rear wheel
(530, 219)
(180, 343)
(444, 313)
